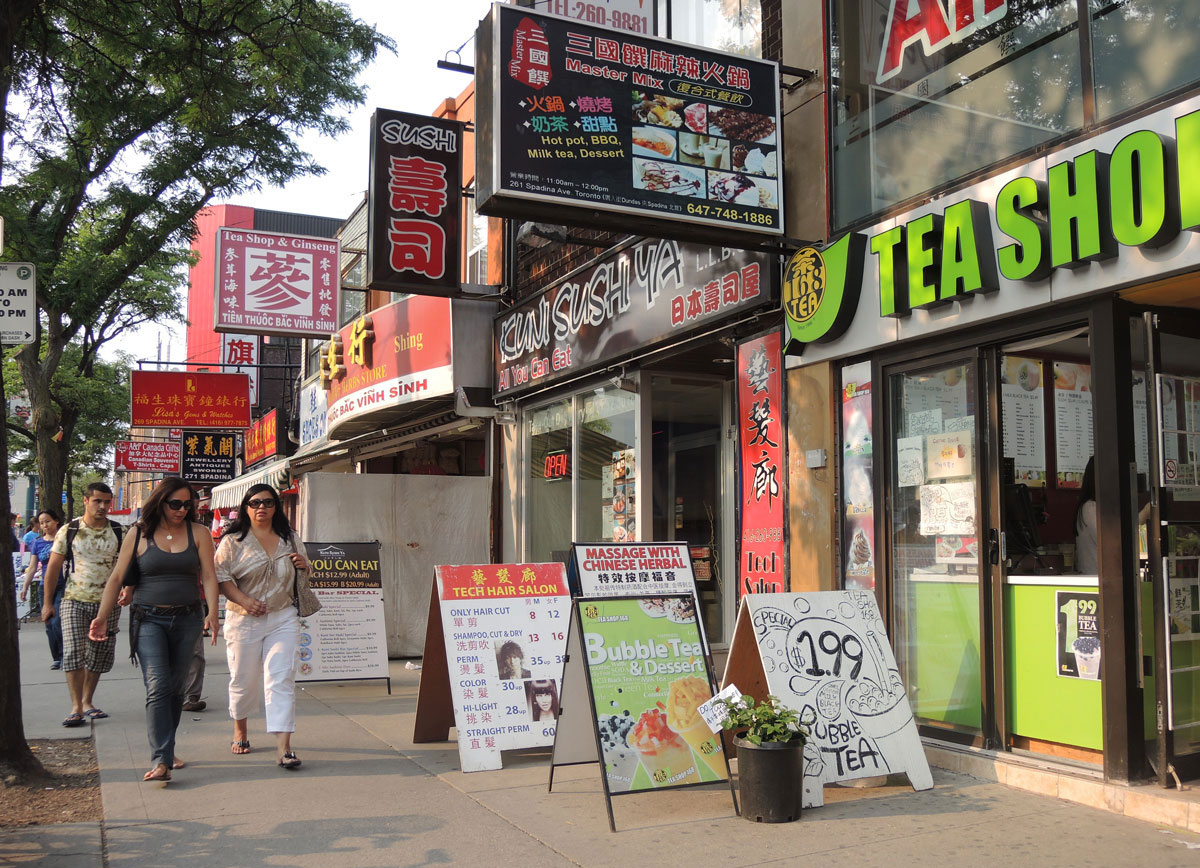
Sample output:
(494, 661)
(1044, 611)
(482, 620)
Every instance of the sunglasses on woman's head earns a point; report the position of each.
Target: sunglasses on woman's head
(179, 504)
(260, 504)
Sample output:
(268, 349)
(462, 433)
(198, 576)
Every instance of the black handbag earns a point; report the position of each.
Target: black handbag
(133, 573)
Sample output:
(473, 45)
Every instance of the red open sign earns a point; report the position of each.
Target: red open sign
(557, 465)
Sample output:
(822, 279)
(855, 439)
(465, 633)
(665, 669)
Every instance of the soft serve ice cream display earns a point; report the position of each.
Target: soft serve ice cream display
(684, 699)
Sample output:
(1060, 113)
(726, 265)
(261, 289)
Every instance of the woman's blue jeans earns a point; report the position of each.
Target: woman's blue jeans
(54, 625)
(164, 648)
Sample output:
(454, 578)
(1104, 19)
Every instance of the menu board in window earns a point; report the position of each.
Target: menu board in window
(624, 495)
(1072, 422)
(1022, 392)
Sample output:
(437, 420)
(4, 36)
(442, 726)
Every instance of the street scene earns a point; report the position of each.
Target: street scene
(556, 432)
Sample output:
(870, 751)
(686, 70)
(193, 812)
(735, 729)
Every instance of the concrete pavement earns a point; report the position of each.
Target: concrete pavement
(368, 796)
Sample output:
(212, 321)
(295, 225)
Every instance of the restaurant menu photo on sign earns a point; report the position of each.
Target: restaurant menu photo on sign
(415, 200)
(619, 125)
(648, 677)
(504, 629)
(346, 639)
(268, 283)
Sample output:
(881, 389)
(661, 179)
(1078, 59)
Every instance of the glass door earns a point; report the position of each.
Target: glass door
(936, 535)
(1173, 539)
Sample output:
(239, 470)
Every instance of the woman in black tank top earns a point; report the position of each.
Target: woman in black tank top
(174, 560)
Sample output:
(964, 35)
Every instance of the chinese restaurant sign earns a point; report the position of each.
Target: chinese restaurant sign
(150, 457)
(395, 355)
(763, 469)
(209, 456)
(268, 283)
(634, 16)
(345, 639)
(635, 298)
(161, 399)
(262, 439)
(504, 627)
(415, 202)
(238, 351)
(595, 126)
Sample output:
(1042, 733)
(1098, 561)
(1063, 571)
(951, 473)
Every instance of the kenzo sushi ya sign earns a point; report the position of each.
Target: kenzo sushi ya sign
(620, 130)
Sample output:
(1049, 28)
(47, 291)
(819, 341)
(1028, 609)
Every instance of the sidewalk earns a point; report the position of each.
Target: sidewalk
(367, 796)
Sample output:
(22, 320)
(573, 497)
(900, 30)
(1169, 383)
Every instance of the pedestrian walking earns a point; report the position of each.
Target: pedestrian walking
(49, 522)
(87, 548)
(262, 571)
(174, 558)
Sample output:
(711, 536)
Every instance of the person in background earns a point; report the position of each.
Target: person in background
(14, 522)
(40, 549)
(32, 532)
(1087, 547)
(174, 559)
(257, 564)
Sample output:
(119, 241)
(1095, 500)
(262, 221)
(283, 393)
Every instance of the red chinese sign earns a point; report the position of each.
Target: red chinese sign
(763, 468)
(149, 457)
(262, 440)
(497, 581)
(240, 354)
(269, 283)
(415, 199)
(161, 399)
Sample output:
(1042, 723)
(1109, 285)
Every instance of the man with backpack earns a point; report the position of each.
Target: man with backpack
(88, 548)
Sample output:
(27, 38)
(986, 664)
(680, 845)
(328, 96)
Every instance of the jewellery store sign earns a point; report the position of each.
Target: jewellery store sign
(649, 293)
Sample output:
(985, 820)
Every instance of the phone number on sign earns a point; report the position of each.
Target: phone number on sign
(724, 212)
(594, 13)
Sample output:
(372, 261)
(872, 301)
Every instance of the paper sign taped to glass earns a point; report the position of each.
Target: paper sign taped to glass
(826, 654)
(948, 508)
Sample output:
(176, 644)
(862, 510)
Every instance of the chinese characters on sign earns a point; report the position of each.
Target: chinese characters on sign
(262, 439)
(209, 456)
(150, 457)
(269, 283)
(415, 201)
(238, 351)
(161, 399)
(763, 469)
(601, 126)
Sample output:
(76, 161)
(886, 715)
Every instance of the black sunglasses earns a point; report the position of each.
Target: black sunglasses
(263, 504)
(179, 504)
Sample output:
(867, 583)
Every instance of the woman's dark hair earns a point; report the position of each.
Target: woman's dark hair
(547, 687)
(279, 522)
(152, 509)
(1087, 489)
(50, 511)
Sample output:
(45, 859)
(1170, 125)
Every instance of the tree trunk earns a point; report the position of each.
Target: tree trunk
(15, 756)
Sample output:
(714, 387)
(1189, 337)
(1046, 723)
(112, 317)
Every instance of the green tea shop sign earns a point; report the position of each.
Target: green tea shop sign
(1115, 210)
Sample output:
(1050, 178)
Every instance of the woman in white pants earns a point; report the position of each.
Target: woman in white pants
(256, 567)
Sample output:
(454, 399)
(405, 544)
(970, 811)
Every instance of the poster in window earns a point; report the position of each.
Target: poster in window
(858, 495)
(1023, 428)
(1072, 422)
(1078, 635)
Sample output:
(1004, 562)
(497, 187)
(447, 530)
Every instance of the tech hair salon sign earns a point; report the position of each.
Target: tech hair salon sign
(1115, 210)
(630, 300)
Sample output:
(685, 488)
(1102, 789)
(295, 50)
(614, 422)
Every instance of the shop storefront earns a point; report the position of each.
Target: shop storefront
(1017, 366)
(617, 384)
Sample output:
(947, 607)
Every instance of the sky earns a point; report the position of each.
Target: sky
(425, 31)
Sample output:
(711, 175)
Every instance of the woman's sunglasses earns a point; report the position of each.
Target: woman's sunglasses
(260, 504)
(179, 504)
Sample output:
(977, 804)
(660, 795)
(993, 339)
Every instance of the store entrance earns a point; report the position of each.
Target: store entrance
(1172, 543)
(690, 490)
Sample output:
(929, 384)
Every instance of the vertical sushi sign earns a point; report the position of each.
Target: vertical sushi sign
(602, 125)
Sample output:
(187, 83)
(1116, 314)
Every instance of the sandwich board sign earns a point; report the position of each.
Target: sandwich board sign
(636, 675)
(493, 660)
(826, 654)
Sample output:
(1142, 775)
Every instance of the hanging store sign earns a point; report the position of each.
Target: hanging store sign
(209, 457)
(160, 399)
(415, 203)
(1128, 198)
(599, 128)
(262, 439)
(761, 562)
(634, 298)
(268, 283)
(396, 355)
(135, 455)
(314, 405)
(240, 354)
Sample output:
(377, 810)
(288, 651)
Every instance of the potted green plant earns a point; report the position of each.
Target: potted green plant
(770, 740)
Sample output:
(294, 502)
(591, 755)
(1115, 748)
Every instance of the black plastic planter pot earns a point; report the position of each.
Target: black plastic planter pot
(770, 780)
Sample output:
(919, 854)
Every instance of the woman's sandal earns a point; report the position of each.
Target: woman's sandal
(289, 761)
(239, 747)
(159, 773)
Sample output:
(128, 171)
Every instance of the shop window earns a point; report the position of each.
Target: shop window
(935, 533)
(1142, 49)
(726, 25)
(606, 472)
(915, 109)
(548, 485)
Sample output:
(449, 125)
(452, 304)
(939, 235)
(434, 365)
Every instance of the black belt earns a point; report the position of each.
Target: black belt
(170, 611)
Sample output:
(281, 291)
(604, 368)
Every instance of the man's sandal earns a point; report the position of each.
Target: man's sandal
(239, 747)
(159, 773)
(74, 719)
